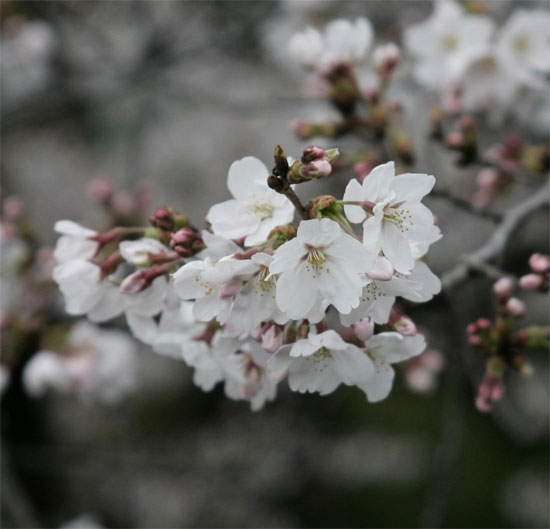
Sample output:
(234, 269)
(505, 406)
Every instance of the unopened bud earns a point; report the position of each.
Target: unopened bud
(272, 338)
(316, 169)
(332, 154)
(163, 219)
(135, 283)
(531, 282)
(471, 328)
(515, 307)
(312, 153)
(483, 324)
(13, 208)
(282, 233)
(503, 288)
(539, 263)
(186, 242)
(302, 129)
(405, 326)
(281, 161)
(475, 340)
(454, 140)
(321, 204)
(364, 329)
(488, 178)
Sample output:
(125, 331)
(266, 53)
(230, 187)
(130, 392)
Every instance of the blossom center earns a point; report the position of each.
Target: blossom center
(521, 44)
(400, 217)
(316, 261)
(449, 43)
(262, 210)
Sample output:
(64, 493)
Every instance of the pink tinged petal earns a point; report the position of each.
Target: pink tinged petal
(232, 219)
(378, 387)
(353, 366)
(393, 347)
(364, 328)
(396, 248)
(376, 185)
(278, 364)
(353, 193)
(412, 187)
(305, 375)
(243, 174)
(318, 232)
(382, 270)
(287, 256)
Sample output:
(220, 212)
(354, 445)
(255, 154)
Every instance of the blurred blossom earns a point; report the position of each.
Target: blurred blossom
(98, 365)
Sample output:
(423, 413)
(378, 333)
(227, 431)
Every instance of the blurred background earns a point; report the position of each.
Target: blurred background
(166, 94)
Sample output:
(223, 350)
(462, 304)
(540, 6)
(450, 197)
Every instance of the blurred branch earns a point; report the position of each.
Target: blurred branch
(465, 205)
(498, 241)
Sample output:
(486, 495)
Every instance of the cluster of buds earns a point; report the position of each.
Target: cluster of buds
(385, 59)
(515, 155)
(314, 163)
(464, 140)
(539, 277)
(506, 347)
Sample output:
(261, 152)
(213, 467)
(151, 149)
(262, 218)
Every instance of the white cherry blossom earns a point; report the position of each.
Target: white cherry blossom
(384, 349)
(74, 242)
(446, 42)
(255, 209)
(320, 363)
(398, 224)
(137, 252)
(321, 265)
(342, 41)
(524, 46)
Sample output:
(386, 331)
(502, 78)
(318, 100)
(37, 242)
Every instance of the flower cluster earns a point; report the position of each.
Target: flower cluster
(254, 298)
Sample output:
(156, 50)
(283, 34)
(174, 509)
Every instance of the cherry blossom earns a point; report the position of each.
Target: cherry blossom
(321, 265)
(395, 221)
(255, 209)
(320, 363)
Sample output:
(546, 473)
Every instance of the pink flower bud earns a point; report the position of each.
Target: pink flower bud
(382, 269)
(490, 391)
(186, 242)
(488, 178)
(312, 153)
(515, 307)
(503, 288)
(272, 338)
(101, 190)
(454, 140)
(163, 219)
(123, 202)
(134, 283)
(483, 324)
(372, 94)
(475, 340)
(386, 57)
(301, 129)
(531, 282)
(316, 169)
(405, 326)
(256, 333)
(539, 263)
(471, 328)
(13, 208)
(466, 123)
(364, 329)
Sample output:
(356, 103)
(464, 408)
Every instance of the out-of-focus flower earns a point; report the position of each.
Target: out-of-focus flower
(446, 43)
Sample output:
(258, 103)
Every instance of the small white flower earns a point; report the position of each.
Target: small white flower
(320, 266)
(320, 363)
(399, 224)
(255, 210)
(446, 42)
(137, 252)
(343, 41)
(74, 242)
(524, 46)
(383, 350)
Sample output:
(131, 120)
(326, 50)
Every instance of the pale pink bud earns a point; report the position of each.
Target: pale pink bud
(433, 360)
(364, 329)
(101, 190)
(531, 282)
(539, 263)
(362, 169)
(471, 328)
(13, 208)
(488, 178)
(134, 283)
(372, 94)
(483, 324)
(272, 339)
(386, 56)
(301, 129)
(163, 219)
(475, 340)
(405, 326)
(186, 242)
(515, 307)
(454, 140)
(420, 379)
(503, 288)
(490, 391)
(312, 153)
(316, 169)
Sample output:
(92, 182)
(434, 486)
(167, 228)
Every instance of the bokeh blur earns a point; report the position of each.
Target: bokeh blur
(165, 95)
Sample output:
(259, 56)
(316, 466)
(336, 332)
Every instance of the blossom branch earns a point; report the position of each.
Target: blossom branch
(497, 243)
